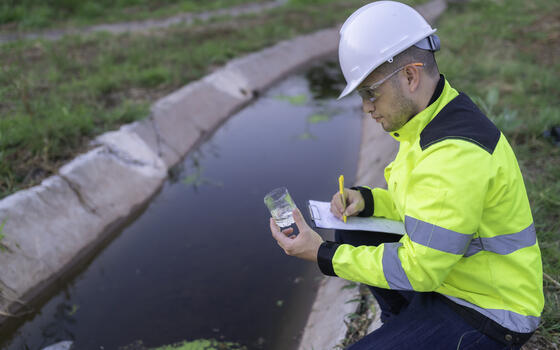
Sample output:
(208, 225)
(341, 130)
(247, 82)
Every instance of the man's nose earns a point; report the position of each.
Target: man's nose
(368, 107)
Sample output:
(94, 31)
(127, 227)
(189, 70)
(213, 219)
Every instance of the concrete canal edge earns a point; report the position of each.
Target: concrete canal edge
(53, 227)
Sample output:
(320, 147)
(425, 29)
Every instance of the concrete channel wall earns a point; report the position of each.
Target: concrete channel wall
(54, 226)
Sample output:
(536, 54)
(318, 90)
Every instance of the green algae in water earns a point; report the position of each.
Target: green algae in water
(296, 100)
(202, 344)
(197, 179)
(318, 118)
(73, 310)
(306, 136)
(199, 344)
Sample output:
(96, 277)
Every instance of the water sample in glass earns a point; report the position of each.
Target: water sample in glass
(280, 204)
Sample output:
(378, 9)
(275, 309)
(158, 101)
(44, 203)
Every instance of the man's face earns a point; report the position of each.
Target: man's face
(390, 108)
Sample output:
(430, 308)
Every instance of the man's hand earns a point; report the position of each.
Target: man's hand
(305, 245)
(354, 203)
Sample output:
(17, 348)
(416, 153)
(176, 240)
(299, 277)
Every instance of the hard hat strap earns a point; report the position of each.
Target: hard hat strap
(430, 43)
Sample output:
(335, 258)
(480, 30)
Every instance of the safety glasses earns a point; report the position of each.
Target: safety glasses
(368, 93)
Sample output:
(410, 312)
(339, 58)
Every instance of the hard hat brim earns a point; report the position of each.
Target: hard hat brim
(347, 90)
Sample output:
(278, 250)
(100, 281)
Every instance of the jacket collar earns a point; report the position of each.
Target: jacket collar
(442, 95)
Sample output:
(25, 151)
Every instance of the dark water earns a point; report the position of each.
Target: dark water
(200, 262)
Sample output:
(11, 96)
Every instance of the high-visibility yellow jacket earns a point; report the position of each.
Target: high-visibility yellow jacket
(456, 185)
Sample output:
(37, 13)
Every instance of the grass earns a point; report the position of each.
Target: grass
(56, 96)
(24, 15)
(357, 323)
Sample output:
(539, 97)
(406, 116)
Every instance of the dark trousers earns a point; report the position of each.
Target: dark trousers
(415, 320)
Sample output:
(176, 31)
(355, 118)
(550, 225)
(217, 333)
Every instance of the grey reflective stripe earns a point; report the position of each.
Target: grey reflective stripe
(504, 244)
(436, 237)
(475, 247)
(392, 268)
(509, 319)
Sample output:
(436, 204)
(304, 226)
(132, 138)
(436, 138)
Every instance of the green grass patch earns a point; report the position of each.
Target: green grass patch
(17, 15)
(504, 55)
(296, 100)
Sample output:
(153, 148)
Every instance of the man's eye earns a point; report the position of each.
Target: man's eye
(366, 93)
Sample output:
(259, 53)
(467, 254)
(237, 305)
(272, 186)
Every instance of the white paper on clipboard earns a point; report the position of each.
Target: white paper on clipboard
(323, 218)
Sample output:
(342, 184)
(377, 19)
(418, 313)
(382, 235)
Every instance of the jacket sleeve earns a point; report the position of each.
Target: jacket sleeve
(377, 202)
(444, 200)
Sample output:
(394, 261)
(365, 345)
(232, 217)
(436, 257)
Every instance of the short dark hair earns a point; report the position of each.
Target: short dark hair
(411, 55)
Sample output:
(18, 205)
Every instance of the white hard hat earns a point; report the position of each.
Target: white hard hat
(377, 32)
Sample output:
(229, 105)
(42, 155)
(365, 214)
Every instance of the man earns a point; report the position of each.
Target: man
(467, 274)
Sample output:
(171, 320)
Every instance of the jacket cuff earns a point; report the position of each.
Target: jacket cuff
(325, 256)
(368, 201)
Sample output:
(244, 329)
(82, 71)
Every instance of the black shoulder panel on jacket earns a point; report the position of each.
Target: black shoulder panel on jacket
(461, 119)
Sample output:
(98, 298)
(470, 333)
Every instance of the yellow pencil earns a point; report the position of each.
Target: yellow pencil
(341, 189)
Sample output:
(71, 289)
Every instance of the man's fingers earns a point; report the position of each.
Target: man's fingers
(337, 200)
(336, 205)
(273, 225)
(333, 209)
(281, 237)
(276, 233)
(352, 209)
(288, 231)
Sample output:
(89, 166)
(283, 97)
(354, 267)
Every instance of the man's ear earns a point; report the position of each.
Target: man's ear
(412, 74)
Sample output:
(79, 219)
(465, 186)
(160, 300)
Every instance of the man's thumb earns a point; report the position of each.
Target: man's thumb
(351, 209)
(298, 218)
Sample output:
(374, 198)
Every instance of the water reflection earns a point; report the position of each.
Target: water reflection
(194, 176)
(325, 81)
